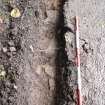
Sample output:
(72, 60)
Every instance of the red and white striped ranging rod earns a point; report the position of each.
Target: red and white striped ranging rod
(79, 94)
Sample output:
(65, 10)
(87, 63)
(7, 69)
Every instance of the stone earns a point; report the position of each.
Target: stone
(11, 43)
(4, 49)
(15, 13)
(15, 87)
(1, 20)
(31, 47)
(39, 69)
(51, 84)
(12, 49)
(3, 73)
(49, 70)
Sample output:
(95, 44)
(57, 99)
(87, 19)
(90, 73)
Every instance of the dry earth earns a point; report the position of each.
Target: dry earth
(28, 51)
(92, 43)
(37, 52)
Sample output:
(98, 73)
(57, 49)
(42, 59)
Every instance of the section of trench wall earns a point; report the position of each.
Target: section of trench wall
(92, 43)
(66, 69)
(42, 35)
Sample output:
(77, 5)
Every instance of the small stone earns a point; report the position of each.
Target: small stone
(86, 46)
(15, 87)
(1, 68)
(51, 84)
(39, 69)
(1, 20)
(11, 43)
(4, 49)
(31, 47)
(14, 31)
(12, 49)
(15, 13)
(9, 54)
(3, 73)
(49, 70)
(103, 26)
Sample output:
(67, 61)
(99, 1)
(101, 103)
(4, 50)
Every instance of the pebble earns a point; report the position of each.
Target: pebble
(4, 49)
(31, 47)
(39, 69)
(11, 43)
(86, 46)
(3, 73)
(15, 87)
(1, 20)
(12, 49)
(51, 84)
(15, 13)
(49, 70)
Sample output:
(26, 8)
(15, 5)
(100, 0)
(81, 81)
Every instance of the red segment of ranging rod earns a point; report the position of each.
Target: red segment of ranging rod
(77, 57)
(79, 94)
(78, 97)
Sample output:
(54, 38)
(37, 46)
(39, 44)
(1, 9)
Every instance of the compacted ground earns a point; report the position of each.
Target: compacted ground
(37, 52)
(92, 46)
(28, 51)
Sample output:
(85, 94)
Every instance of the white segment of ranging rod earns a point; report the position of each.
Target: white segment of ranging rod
(78, 62)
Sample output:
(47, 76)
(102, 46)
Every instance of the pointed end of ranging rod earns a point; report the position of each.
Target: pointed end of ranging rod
(77, 23)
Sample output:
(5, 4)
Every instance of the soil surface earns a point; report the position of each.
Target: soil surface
(92, 42)
(37, 52)
(27, 52)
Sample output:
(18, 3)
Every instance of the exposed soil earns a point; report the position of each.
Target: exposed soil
(92, 36)
(37, 52)
(28, 51)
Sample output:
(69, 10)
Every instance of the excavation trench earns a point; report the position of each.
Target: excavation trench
(33, 55)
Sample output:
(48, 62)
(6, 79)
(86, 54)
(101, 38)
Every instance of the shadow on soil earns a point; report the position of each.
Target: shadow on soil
(62, 87)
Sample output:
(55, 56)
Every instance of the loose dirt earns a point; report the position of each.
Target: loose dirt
(28, 51)
(92, 30)
(37, 52)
